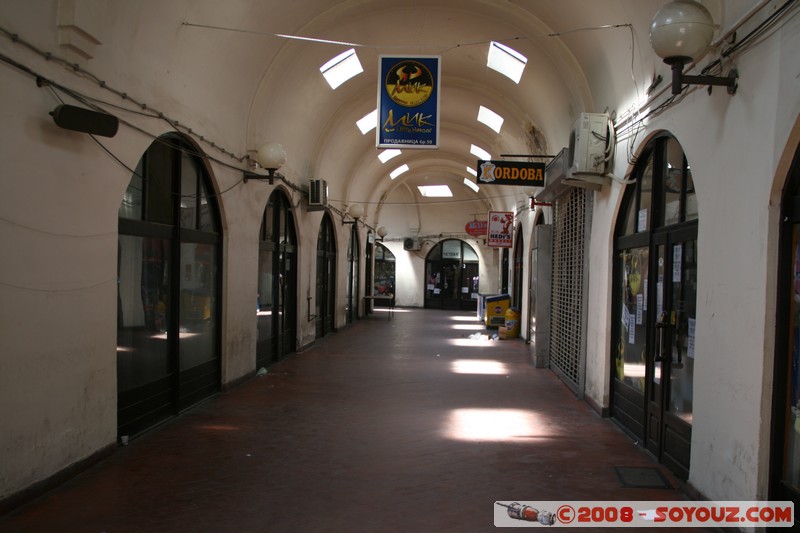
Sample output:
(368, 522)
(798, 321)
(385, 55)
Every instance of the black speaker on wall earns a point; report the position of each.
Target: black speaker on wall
(85, 120)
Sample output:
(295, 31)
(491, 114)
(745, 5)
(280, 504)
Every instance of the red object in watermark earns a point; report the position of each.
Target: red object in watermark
(649, 514)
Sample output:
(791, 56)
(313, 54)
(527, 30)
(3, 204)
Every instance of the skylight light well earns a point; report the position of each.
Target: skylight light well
(341, 68)
(471, 184)
(388, 154)
(506, 61)
(368, 122)
(490, 118)
(435, 191)
(399, 170)
(480, 153)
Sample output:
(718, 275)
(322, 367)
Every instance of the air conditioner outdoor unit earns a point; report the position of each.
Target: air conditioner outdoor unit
(411, 245)
(588, 141)
(317, 195)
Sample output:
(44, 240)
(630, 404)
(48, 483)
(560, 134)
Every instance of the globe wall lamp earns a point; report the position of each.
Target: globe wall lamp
(680, 33)
(355, 212)
(270, 157)
(381, 231)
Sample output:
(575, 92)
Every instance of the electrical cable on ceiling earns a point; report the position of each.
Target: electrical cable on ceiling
(319, 40)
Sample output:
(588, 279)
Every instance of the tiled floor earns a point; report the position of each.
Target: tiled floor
(389, 425)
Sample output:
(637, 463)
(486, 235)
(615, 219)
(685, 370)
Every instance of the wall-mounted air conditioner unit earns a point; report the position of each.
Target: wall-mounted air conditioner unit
(411, 245)
(318, 195)
(588, 144)
(558, 178)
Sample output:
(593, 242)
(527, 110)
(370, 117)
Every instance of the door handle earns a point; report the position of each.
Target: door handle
(661, 328)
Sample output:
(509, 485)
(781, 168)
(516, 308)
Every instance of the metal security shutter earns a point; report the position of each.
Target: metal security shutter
(571, 223)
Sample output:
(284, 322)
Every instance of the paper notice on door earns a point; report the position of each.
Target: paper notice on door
(464, 290)
(632, 330)
(690, 340)
(639, 308)
(644, 304)
(677, 254)
(659, 298)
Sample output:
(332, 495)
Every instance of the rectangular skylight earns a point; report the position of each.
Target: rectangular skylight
(480, 153)
(435, 191)
(490, 118)
(471, 184)
(472, 171)
(399, 170)
(506, 61)
(386, 155)
(368, 122)
(341, 68)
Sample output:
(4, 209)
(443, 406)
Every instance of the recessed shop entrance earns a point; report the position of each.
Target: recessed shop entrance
(451, 276)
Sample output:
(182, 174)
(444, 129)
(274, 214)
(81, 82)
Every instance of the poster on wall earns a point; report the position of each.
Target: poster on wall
(408, 102)
(500, 229)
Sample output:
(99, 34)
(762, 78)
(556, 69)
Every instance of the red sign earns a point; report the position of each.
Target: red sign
(477, 228)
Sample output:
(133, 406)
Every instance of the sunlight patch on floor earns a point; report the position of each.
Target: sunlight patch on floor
(478, 366)
(485, 424)
(468, 327)
(466, 343)
(463, 318)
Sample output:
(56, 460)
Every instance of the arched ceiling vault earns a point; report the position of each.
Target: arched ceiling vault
(292, 103)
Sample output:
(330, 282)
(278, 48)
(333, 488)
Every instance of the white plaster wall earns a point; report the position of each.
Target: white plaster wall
(733, 144)
(58, 225)
(57, 285)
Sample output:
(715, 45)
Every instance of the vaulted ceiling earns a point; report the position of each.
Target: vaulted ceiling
(261, 61)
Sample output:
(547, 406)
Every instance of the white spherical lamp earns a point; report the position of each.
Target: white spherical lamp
(271, 156)
(356, 211)
(681, 31)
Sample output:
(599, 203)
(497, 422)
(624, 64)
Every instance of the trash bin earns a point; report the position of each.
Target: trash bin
(512, 324)
(496, 307)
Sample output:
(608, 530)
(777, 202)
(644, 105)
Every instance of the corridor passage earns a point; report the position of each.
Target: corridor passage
(404, 424)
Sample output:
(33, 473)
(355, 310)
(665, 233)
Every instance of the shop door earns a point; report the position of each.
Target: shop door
(672, 330)
(326, 278)
(286, 317)
(469, 286)
(443, 289)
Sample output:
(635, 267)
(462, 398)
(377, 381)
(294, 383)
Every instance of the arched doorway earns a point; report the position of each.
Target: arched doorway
(277, 282)
(384, 275)
(655, 290)
(353, 272)
(451, 274)
(168, 342)
(785, 449)
(326, 278)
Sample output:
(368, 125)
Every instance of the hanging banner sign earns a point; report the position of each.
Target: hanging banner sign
(511, 173)
(500, 229)
(477, 228)
(408, 102)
